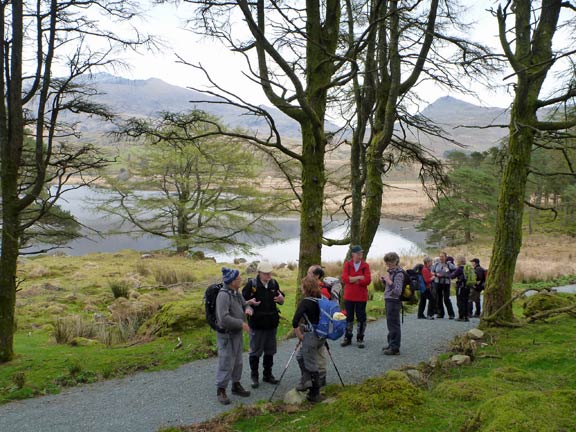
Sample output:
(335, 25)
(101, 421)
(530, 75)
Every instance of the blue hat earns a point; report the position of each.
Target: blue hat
(228, 275)
(356, 249)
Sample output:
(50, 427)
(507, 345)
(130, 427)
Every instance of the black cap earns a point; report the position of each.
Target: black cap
(356, 249)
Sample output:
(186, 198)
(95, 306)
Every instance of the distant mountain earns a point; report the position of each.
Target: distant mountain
(465, 123)
(147, 98)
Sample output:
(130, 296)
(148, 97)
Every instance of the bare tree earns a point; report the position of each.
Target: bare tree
(37, 37)
(532, 48)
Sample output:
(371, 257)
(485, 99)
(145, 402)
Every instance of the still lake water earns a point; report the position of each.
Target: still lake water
(392, 235)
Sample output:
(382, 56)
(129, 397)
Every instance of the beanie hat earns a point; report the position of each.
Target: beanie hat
(356, 249)
(228, 275)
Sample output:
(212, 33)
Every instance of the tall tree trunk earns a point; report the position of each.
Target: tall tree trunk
(531, 62)
(313, 181)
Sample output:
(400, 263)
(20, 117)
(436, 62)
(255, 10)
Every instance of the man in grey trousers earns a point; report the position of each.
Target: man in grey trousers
(230, 310)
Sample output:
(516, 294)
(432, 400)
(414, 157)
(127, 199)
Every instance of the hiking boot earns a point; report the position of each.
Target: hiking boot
(314, 392)
(361, 344)
(270, 379)
(431, 317)
(238, 390)
(254, 376)
(466, 320)
(222, 397)
(385, 348)
(458, 319)
(346, 342)
(391, 351)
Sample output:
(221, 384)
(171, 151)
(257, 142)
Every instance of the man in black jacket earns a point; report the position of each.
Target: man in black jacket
(263, 294)
(478, 288)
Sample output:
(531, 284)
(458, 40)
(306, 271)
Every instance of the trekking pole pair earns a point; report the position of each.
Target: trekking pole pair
(285, 369)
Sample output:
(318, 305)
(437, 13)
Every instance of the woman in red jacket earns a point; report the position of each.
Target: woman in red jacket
(356, 277)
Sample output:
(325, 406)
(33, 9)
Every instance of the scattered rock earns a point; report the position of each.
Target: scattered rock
(49, 287)
(240, 261)
(252, 267)
(475, 334)
(80, 341)
(294, 397)
(434, 362)
(198, 255)
(460, 359)
(416, 377)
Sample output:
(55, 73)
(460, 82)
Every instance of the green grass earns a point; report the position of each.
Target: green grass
(523, 380)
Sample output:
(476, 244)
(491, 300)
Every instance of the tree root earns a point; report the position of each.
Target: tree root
(546, 314)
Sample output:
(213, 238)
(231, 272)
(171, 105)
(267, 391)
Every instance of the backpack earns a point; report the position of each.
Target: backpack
(469, 276)
(421, 284)
(210, 304)
(411, 285)
(328, 327)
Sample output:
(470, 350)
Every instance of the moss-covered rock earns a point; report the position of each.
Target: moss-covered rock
(546, 301)
(513, 374)
(471, 389)
(392, 395)
(176, 316)
(526, 411)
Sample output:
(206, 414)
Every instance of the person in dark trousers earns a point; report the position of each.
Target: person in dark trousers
(263, 294)
(441, 271)
(428, 294)
(477, 289)
(307, 314)
(462, 289)
(230, 310)
(394, 280)
(356, 277)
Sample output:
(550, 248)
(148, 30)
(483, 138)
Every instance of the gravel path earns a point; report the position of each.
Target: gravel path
(147, 401)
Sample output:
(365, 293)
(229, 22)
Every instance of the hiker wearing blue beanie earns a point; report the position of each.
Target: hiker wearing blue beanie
(230, 310)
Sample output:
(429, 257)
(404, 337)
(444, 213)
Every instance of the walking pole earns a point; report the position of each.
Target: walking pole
(285, 369)
(335, 367)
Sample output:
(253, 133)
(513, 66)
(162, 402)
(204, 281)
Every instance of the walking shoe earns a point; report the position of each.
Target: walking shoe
(222, 397)
(390, 351)
(238, 390)
(270, 379)
(346, 342)
(361, 344)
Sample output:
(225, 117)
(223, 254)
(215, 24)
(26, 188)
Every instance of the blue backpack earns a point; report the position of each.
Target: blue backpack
(327, 327)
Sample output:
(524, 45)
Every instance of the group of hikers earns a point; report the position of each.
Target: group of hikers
(259, 297)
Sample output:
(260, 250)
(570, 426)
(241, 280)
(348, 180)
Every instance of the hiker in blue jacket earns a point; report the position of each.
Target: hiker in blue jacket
(307, 314)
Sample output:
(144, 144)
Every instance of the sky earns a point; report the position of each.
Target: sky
(168, 21)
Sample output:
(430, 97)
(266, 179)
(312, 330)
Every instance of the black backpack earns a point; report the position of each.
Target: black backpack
(210, 304)
(410, 286)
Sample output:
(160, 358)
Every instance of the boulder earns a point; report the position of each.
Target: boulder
(175, 316)
(416, 377)
(475, 334)
(294, 397)
(460, 359)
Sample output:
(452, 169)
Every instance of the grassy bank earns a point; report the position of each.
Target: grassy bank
(521, 380)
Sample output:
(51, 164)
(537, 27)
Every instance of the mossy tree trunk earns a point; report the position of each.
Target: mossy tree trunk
(305, 103)
(531, 61)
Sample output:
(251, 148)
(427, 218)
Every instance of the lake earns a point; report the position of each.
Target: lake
(393, 235)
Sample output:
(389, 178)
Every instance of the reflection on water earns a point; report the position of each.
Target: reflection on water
(392, 235)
